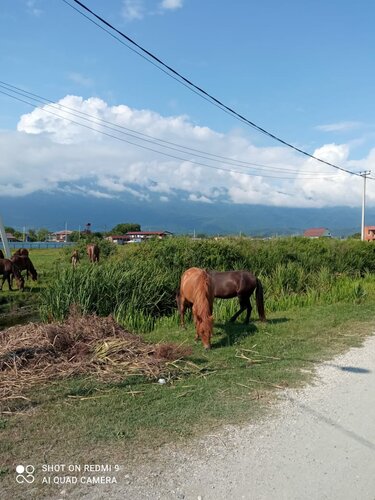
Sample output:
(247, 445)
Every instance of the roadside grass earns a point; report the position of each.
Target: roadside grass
(236, 382)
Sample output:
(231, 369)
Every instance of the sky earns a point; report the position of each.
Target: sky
(304, 71)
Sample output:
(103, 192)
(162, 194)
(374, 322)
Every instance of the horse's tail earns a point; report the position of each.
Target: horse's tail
(260, 300)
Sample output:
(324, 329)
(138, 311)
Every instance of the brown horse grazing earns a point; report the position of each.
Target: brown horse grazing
(74, 259)
(196, 291)
(22, 251)
(23, 262)
(93, 252)
(9, 269)
(239, 284)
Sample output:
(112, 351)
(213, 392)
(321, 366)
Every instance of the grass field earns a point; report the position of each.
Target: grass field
(235, 382)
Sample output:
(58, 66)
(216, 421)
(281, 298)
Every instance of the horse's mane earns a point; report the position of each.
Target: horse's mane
(203, 295)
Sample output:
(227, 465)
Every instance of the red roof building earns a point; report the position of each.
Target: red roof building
(143, 235)
(317, 232)
(137, 236)
(369, 233)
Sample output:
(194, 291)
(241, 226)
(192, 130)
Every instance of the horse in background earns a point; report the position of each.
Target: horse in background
(93, 252)
(23, 262)
(2, 256)
(196, 291)
(239, 284)
(74, 259)
(9, 269)
(22, 251)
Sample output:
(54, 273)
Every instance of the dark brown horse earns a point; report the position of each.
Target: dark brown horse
(2, 256)
(196, 291)
(239, 284)
(22, 251)
(93, 252)
(23, 262)
(9, 269)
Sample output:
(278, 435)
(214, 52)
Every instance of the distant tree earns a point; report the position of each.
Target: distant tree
(125, 227)
(355, 236)
(32, 235)
(9, 229)
(42, 234)
(76, 236)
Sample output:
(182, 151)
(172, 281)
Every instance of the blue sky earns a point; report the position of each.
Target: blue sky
(302, 70)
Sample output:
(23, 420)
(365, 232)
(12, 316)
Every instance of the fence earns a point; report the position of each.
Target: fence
(38, 244)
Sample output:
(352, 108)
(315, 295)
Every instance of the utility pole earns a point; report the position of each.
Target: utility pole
(364, 175)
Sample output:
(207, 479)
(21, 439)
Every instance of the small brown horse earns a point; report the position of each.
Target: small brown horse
(74, 259)
(239, 284)
(93, 252)
(23, 262)
(9, 269)
(196, 291)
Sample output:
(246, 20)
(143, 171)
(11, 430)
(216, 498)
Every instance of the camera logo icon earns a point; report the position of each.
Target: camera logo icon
(25, 474)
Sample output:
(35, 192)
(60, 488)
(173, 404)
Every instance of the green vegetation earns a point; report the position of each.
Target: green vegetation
(139, 284)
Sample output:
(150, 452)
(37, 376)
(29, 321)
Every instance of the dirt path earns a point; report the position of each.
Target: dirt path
(320, 445)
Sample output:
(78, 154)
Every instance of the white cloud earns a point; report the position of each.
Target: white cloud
(198, 197)
(48, 153)
(133, 10)
(80, 79)
(339, 127)
(33, 9)
(171, 4)
(136, 10)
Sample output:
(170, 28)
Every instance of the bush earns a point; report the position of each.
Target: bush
(139, 283)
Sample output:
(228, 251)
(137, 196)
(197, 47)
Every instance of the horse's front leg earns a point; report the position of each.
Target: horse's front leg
(182, 307)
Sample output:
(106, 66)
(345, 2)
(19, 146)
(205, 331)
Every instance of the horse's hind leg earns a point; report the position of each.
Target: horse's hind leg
(248, 310)
(244, 304)
(8, 280)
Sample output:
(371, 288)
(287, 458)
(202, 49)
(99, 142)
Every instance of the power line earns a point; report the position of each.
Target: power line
(150, 57)
(114, 127)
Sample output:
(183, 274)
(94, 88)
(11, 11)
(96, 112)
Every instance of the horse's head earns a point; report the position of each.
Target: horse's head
(204, 330)
(31, 269)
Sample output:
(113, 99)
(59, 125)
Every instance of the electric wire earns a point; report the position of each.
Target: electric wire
(150, 57)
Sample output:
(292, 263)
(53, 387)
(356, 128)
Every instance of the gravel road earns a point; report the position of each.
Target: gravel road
(319, 444)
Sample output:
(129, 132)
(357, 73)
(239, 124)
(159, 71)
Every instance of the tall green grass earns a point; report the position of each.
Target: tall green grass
(139, 284)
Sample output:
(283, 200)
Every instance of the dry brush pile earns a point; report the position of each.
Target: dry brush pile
(82, 345)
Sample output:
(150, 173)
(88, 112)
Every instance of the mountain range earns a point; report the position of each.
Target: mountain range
(55, 211)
